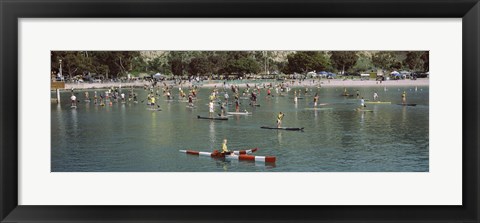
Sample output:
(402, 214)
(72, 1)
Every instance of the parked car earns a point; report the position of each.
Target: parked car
(420, 74)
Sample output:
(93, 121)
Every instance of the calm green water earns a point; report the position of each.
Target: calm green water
(128, 137)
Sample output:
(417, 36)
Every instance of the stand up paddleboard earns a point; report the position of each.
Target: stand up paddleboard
(86, 101)
(283, 128)
(256, 105)
(407, 104)
(378, 102)
(363, 110)
(73, 107)
(239, 113)
(214, 118)
(154, 109)
(192, 107)
(318, 109)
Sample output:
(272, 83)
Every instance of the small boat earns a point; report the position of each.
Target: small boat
(283, 128)
(235, 155)
(407, 104)
(213, 118)
(378, 102)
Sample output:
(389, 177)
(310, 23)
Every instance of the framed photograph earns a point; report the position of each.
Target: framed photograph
(206, 111)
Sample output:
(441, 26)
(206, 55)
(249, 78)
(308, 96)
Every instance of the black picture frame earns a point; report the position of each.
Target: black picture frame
(11, 11)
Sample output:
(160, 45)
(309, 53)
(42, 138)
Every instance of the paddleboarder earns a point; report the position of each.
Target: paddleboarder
(73, 98)
(279, 119)
(225, 147)
(375, 96)
(87, 98)
(152, 102)
(404, 97)
(190, 100)
(315, 100)
(362, 103)
(210, 108)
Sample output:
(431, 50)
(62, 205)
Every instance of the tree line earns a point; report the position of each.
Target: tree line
(116, 64)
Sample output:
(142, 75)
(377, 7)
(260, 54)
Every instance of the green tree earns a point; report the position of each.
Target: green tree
(383, 60)
(199, 65)
(426, 61)
(343, 60)
(414, 60)
(304, 61)
(364, 62)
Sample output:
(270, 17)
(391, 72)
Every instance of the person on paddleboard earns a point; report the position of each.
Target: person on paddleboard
(237, 103)
(279, 119)
(222, 109)
(87, 98)
(152, 102)
(315, 100)
(190, 100)
(73, 98)
(225, 147)
(210, 108)
(362, 103)
(226, 97)
(375, 96)
(123, 97)
(404, 97)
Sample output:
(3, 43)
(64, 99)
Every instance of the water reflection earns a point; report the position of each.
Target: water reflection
(74, 122)
(279, 137)
(334, 140)
(212, 134)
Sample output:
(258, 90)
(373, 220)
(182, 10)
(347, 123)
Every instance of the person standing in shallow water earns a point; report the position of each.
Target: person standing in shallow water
(315, 100)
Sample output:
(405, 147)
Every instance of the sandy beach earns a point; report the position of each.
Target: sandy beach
(305, 83)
